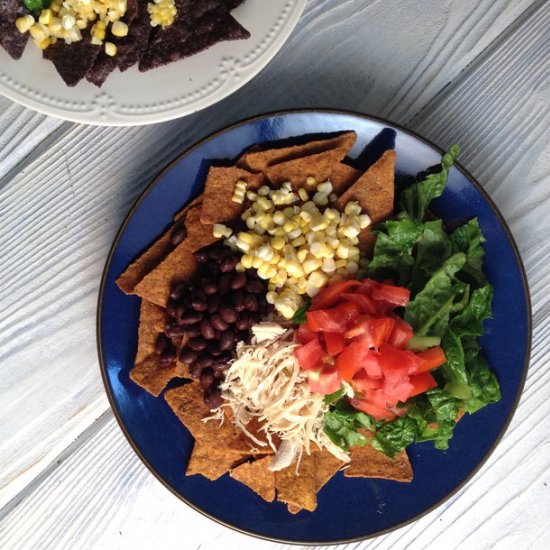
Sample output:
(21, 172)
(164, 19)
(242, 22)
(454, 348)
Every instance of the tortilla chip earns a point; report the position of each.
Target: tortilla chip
(180, 264)
(326, 467)
(153, 377)
(151, 257)
(295, 489)
(151, 323)
(11, 39)
(374, 191)
(258, 161)
(319, 166)
(368, 462)
(217, 206)
(258, 477)
(293, 508)
(343, 177)
(187, 402)
(209, 464)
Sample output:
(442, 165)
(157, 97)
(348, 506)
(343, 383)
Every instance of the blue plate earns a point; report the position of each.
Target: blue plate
(348, 509)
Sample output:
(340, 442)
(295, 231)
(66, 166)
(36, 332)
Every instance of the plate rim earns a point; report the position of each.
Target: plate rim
(327, 111)
(170, 113)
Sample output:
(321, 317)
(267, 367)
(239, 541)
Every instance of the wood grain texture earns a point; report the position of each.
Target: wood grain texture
(60, 207)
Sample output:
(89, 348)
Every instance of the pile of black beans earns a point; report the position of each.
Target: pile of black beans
(215, 313)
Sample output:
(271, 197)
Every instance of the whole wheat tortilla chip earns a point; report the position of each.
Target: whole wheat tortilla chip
(209, 464)
(257, 476)
(296, 171)
(187, 402)
(368, 462)
(343, 177)
(374, 191)
(151, 322)
(180, 264)
(326, 466)
(258, 161)
(217, 206)
(298, 489)
(152, 376)
(153, 255)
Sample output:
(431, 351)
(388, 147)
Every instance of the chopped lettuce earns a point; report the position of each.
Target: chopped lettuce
(450, 300)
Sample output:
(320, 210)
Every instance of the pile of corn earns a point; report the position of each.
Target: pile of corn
(295, 241)
(66, 19)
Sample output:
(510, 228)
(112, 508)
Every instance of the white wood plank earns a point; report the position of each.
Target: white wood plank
(55, 237)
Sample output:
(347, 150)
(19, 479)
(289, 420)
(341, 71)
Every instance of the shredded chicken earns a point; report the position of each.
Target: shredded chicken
(266, 382)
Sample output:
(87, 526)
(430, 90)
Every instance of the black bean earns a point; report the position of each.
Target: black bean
(179, 232)
(192, 331)
(243, 336)
(238, 281)
(242, 322)
(187, 299)
(195, 370)
(227, 313)
(172, 309)
(198, 344)
(218, 323)
(172, 331)
(207, 330)
(204, 361)
(209, 286)
(227, 340)
(216, 254)
(213, 303)
(213, 348)
(167, 357)
(238, 300)
(199, 306)
(177, 291)
(213, 398)
(228, 264)
(162, 343)
(191, 318)
(201, 256)
(255, 286)
(251, 302)
(188, 356)
(223, 283)
(207, 378)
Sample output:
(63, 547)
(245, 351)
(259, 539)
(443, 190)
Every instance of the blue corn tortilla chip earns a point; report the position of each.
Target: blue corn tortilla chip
(10, 38)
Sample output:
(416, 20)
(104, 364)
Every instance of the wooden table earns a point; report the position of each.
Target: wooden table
(476, 72)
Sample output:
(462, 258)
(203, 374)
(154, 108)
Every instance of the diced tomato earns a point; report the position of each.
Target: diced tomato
(335, 342)
(392, 359)
(330, 295)
(304, 334)
(310, 355)
(367, 286)
(322, 321)
(422, 382)
(371, 364)
(379, 413)
(401, 334)
(431, 359)
(395, 295)
(346, 310)
(363, 383)
(398, 392)
(350, 360)
(325, 380)
(364, 303)
(373, 332)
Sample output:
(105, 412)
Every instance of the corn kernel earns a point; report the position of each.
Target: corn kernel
(320, 199)
(294, 268)
(239, 268)
(350, 231)
(333, 197)
(263, 191)
(46, 17)
(39, 32)
(329, 265)
(318, 279)
(352, 268)
(246, 260)
(43, 44)
(257, 262)
(312, 265)
(302, 193)
(119, 28)
(364, 221)
(311, 181)
(270, 297)
(325, 188)
(352, 208)
(24, 23)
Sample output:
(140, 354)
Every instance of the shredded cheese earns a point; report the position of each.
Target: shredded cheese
(266, 382)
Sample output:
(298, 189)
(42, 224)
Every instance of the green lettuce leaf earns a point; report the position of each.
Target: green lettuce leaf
(416, 198)
(342, 422)
(468, 239)
(428, 313)
(484, 386)
(454, 369)
(395, 436)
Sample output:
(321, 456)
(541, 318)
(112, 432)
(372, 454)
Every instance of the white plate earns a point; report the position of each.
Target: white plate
(132, 98)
